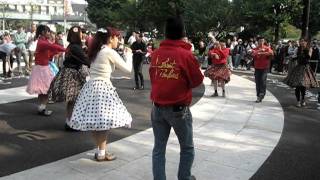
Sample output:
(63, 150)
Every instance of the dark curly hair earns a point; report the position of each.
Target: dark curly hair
(41, 29)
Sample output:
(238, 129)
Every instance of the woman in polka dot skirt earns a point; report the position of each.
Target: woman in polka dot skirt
(98, 107)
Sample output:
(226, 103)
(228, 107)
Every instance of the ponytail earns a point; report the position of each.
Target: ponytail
(101, 38)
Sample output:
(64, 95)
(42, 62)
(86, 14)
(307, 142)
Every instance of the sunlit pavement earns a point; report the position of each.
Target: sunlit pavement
(233, 137)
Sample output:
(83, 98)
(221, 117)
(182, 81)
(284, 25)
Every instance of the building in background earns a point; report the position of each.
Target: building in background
(44, 11)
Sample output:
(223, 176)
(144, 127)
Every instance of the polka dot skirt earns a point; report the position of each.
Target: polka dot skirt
(98, 108)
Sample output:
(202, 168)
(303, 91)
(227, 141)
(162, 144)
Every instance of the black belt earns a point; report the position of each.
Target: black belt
(174, 107)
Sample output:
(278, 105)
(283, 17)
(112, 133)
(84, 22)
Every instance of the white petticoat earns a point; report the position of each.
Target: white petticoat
(98, 107)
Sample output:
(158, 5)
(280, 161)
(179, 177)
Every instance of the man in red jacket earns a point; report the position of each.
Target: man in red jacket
(174, 71)
(261, 56)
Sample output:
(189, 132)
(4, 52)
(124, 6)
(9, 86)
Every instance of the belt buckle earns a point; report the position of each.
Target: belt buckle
(178, 108)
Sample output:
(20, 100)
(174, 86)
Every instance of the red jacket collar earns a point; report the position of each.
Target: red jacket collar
(176, 43)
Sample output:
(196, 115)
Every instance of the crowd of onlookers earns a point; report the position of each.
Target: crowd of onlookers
(20, 47)
(285, 52)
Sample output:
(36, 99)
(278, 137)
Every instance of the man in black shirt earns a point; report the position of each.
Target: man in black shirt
(139, 50)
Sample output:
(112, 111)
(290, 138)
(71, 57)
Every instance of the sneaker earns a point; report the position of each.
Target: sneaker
(303, 103)
(215, 94)
(298, 104)
(259, 100)
(10, 74)
(20, 73)
(27, 73)
(141, 88)
(45, 112)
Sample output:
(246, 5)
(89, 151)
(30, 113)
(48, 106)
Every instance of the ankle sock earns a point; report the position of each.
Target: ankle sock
(41, 107)
(101, 152)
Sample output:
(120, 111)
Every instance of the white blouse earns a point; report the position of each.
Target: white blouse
(106, 61)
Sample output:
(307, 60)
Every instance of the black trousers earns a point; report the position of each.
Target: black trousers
(300, 92)
(4, 58)
(138, 76)
(261, 81)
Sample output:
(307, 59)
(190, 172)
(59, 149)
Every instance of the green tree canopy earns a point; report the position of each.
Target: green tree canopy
(201, 17)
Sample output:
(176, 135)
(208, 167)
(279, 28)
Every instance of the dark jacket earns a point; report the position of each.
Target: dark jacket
(303, 56)
(137, 56)
(75, 57)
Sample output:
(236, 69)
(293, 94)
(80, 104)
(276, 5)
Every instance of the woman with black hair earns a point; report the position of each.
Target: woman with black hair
(98, 107)
(41, 75)
(67, 84)
(302, 77)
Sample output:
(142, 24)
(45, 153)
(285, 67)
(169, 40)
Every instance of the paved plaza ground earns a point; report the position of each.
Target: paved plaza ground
(235, 138)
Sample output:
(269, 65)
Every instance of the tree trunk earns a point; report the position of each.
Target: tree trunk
(276, 32)
(305, 19)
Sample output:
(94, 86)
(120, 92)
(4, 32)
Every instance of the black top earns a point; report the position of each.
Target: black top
(315, 54)
(202, 50)
(136, 46)
(303, 56)
(75, 57)
(238, 49)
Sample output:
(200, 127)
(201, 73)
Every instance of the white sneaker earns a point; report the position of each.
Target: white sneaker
(303, 103)
(298, 104)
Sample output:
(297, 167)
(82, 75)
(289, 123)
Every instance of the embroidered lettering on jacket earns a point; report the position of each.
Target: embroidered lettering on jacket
(166, 69)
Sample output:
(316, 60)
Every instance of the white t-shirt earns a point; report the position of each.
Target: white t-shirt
(131, 40)
(32, 44)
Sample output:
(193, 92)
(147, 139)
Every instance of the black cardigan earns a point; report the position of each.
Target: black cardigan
(75, 57)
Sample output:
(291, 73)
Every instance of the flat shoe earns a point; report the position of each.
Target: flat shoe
(45, 112)
(107, 157)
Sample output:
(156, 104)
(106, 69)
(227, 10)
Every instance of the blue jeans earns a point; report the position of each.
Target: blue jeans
(180, 119)
(237, 60)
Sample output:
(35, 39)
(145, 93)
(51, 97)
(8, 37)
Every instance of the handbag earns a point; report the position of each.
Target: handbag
(54, 68)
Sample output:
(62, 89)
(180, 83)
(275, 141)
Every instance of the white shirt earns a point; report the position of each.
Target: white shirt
(233, 44)
(32, 44)
(250, 47)
(192, 47)
(105, 63)
(131, 40)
